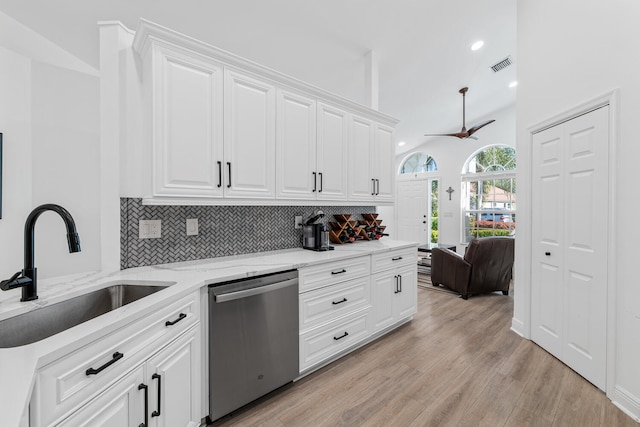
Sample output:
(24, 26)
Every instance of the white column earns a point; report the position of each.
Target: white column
(371, 79)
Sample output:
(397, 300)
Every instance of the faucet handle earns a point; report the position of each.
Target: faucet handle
(14, 282)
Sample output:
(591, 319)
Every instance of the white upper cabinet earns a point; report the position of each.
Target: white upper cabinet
(249, 137)
(186, 124)
(383, 169)
(361, 179)
(332, 152)
(219, 129)
(297, 175)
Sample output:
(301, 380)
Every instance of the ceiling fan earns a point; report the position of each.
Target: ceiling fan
(464, 133)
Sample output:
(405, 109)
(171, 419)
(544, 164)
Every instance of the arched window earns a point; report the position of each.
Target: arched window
(419, 162)
(489, 193)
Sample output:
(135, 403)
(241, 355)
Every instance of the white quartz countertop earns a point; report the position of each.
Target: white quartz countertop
(18, 365)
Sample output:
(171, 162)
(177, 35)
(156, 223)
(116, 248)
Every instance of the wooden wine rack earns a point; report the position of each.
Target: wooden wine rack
(343, 221)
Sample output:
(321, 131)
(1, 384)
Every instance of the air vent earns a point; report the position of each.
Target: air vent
(502, 64)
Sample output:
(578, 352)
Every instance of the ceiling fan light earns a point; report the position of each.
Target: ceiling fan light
(477, 45)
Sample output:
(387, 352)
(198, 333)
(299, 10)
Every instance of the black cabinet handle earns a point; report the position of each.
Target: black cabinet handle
(339, 302)
(159, 378)
(398, 258)
(341, 336)
(229, 166)
(219, 174)
(320, 173)
(116, 356)
(400, 283)
(339, 272)
(396, 290)
(180, 317)
(146, 404)
(373, 187)
(547, 253)
(377, 186)
(314, 181)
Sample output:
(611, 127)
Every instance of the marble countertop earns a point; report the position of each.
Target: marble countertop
(18, 365)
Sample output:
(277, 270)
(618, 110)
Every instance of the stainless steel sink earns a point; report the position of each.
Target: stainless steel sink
(44, 322)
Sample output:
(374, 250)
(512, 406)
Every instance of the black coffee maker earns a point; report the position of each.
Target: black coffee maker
(315, 236)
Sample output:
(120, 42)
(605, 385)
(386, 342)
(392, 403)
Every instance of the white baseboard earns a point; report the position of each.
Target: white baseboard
(627, 403)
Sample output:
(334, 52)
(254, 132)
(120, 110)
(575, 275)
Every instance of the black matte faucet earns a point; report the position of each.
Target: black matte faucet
(27, 278)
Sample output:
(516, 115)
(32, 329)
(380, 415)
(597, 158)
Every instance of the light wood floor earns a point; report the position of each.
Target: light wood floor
(456, 364)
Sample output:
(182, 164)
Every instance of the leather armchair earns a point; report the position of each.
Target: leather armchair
(486, 267)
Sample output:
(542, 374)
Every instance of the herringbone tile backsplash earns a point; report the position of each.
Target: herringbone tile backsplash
(223, 230)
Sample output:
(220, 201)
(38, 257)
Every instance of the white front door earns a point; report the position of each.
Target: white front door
(569, 237)
(412, 205)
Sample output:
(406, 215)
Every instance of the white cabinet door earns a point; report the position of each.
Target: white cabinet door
(393, 296)
(569, 242)
(384, 163)
(249, 137)
(383, 286)
(187, 125)
(174, 382)
(122, 405)
(405, 302)
(332, 152)
(361, 181)
(296, 172)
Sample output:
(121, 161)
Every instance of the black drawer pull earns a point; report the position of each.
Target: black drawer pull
(341, 336)
(159, 378)
(547, 253)
(339, 302)
(180, 317)
(398, 258)
(146, 404)
(219, 174)
(339, 272)
(116, 356)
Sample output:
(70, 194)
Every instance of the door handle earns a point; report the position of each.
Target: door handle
(116, 356)
(146, 404)
(396, 285)
(219, 174)
(180, 317)
(400, 280)
(159, 378)
(314, 182)
(320, 173)
(229, 166)
(377, 186)
(373, 187)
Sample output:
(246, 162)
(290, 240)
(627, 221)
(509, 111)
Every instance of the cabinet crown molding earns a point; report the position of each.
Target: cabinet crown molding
(149, 33)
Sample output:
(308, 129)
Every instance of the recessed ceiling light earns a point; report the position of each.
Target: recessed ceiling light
(513, 84)
(401, 143)
(477, 45)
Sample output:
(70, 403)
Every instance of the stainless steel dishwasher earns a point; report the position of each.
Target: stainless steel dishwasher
(253, 339)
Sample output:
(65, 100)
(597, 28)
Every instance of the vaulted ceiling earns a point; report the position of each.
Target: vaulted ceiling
(423, 46)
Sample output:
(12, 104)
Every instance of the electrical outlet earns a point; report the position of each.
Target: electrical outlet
(298, 223)
(192, 226)
(149, 228)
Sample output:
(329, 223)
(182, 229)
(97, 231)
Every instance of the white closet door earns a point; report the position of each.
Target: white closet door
(569, 229)
(413, 210)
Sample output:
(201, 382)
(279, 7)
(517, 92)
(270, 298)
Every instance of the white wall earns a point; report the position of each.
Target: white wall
(49, 118)
(451, 155)
(568, 53)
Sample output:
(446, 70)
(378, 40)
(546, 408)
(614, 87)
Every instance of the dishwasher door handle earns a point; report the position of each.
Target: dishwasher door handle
(231, 296)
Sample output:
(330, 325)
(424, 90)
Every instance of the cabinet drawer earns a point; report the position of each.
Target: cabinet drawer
(393, 259)
(67, 382)
(334, 272)
(326, 304)
(321, 343)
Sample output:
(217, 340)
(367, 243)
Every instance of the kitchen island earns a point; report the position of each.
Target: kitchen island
(19, 366)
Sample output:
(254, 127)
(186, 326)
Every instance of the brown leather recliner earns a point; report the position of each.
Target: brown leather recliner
(485, 267)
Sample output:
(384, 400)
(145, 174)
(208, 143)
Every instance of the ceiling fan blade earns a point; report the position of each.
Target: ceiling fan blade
(479, 126)
(457, 135)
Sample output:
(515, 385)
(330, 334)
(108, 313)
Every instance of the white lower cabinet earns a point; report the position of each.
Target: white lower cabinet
(342, 304)
(145, 373)
(393, 296)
